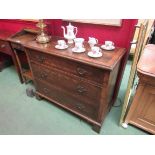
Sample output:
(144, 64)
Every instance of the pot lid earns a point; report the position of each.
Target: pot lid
(70, 25)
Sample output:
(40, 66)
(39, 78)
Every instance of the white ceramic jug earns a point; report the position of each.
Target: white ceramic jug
(70, 35)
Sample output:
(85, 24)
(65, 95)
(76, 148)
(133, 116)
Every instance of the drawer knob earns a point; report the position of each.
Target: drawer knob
(80, 89)
(81, 71)
(3, 46)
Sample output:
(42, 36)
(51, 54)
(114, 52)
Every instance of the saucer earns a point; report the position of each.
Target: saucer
(60, 47)
(97, 55)
(78, 51)
(108, 48)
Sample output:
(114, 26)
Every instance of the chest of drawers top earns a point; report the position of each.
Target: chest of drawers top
(107, 61)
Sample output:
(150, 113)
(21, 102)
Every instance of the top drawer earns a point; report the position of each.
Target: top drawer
(87, 72)
(5, 47)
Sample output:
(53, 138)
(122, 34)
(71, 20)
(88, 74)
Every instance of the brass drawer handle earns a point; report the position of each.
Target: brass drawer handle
(41, 59)
(45, 90)
(81, 71)
(43, 75)
(3, 46)
(80, 106)
(80, 89)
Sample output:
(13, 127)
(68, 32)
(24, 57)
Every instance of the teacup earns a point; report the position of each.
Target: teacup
(109, 43)
(96, 50)
(79, 40)
(61, 43)
(78, 46)
(78, 43)
(92, 41)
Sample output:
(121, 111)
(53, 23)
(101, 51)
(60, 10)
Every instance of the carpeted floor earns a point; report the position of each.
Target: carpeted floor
(20, 114)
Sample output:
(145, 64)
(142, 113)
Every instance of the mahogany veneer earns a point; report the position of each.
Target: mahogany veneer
(80, 84)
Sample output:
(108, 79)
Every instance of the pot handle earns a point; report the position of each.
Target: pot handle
(75, 30)
(97, 41)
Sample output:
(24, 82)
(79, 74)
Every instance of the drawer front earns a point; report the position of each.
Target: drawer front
(5, 47)
(71, 67)
(65, 99)
(79, 89)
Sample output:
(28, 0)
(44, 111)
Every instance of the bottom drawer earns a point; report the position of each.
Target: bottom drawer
(66, 99)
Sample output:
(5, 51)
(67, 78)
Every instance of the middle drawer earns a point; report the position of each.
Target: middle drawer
(85, 91)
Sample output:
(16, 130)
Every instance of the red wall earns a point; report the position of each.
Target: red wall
(121, 36)
(15, 25)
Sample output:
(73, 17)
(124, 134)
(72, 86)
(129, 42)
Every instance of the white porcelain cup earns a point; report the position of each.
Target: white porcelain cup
(79, 43)
(109, 43)
(95, 50)
(61, 43)
(92, 41)
(78, 46)
(79, 40)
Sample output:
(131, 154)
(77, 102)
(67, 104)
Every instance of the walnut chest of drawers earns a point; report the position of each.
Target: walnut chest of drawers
(82, 85)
